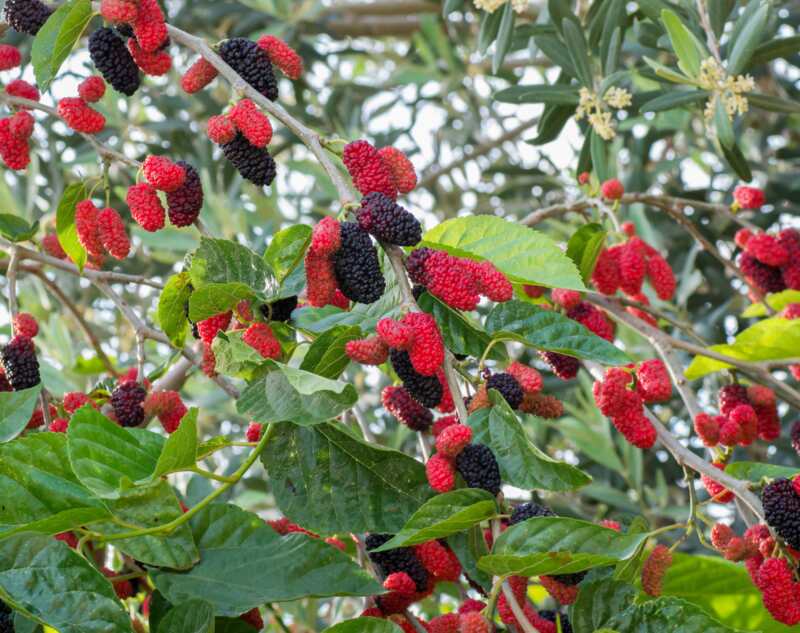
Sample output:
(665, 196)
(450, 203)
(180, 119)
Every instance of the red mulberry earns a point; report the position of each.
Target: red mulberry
(654, 569)
(168, 407)
(149, 27)
(221, 129)
(606, 274)
(707, 428)
(749, 197)
(52, 246)
(427, 347)
(74, 400)
(86, 224)
(13, 150)
(112, 233)
(661, 277)
(653, 382)
(326, 237)
(261, 338)
(21, 125)
(252, 123)
(92, 89)
(199, 75)
(612, 189)
(632, 269)
(162, 173)
(24, 90)
(635, 427)
(765, 278)
(398, 402)
(439, 560)
(395, 334)
(716, 490)
(320, 279)
(561, 592)
(146, 207)
(118, 10)
(208, 328)
(779, 590)
(565, 367)
(405, 178)
(490, 282)
(25, 324)
(451, 440)
(592, 319)
(79, 116)
(10, 57)
(282, 55)
(253, 433)
(529, 378)
(368, 351)
(441, 474)
(368, 170)
(567, 299)
(153, 63)
(767, 249)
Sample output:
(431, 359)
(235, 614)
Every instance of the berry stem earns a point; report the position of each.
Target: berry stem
(211, 475)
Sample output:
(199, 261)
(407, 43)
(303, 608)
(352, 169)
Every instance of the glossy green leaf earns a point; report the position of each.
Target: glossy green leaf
(326, 357)
(461, 334)
(244, 563)
(172, 308)
(576, 47)
(553, 47)
(775, 338)
(289, 394)
(523, 254)
(329, 481)
(16, 229)
(521, 463)
(549, 330)
(777, 301)
(556, 545)
(192, 616)
(55, 39)
(674, 99)
(16, 408)
(664, 614)
(599, 601)
(364, 625)
(40, 491)
(180, 449)
(747, 40)
(684, 44)
(216, 298)
(145, 507)
(599, 150)
(219, 261)
(32, 566)
(443, 515)
(106, 457)
(557, 95)
(286, 249)
(65, 223)
(612, 35)
(584, 248)
(756, 471)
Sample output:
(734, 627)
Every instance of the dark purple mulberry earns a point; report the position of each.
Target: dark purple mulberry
(20, 363)
(356, 265)
(280, 310)
(185, 202)
(27, 16)
(563, 366)
(401, 559)
(427, 390)
(479, 468)
(388, 221)
(782, 510)
(795, 435)
(251, 63)
(127, 400)
(415, 265)
(6, 618)
(253, 163)
(529, 510)
(112, 58)
(552, 616)
(766, 278)
(509, 388)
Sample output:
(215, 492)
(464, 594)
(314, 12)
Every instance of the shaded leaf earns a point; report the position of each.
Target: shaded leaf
(220, 261)
(172, 308)
(16, 229)
(286, 250)
(193, 616)
(180, 449)
(55, 39)
(65, 223)
(674, 99)
(326, 356)
(216, 298)
(469, 547)
(745, 42)
(557, 95)
(584, 248)
(16, 408)
(364, 625)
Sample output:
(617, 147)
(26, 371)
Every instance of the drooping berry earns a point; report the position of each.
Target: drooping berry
(146, 207)
(447, 623)
(77, 114)
(782, 510)
(400, 582)
(654, 569)
(74, 400)
(127, 401)
(398, 402)
(10, 57)
(251, 122)
(25, 324)
(562, 592)
(653, 382)
(184, 204)
(21, 88)
(326, 237)
(112, 58)
(534, 292)
(27, 16)
(632, 269)
(721, 535)
(766, 278)
(282, 55)
(441, 473)
(528, 378)
(473, 622)
(401, 559)
(149, 27)
(368, 351)
(592, 319)
(251, 63)
(767, 250)
(253, 433)
(388, 221)
(565, 367)
(168, 407)
(606, 275)
(427, 390)
(490, 282)
(153, 63)
(261, 338)
(52, 246)
(208, 328)
(199, 75)
(635, 427)
(92, 89)
(749, 197)
(707, 428)
(661, 277)
(717, 491)
(405, 178)
(451, 440)
(14, 151)
(477, 465)
(86, 225)
(446, 277)
(567, 299)
(508, 387)
(356, 266)
(426, 349)
(779, 590)
(320, 279)
(253, 163)
(162, 173)
(112, 233)
(21, 124)
(368, 170)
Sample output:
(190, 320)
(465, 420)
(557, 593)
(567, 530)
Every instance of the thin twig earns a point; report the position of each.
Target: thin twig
(11, 275)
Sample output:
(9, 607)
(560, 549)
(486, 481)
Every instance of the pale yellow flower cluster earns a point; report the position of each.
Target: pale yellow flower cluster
(593, 108)
(491, 6)
(731, 90)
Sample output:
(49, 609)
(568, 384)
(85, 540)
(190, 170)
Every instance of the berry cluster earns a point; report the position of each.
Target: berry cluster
(771, 263)
(626, 266)
(342, 256)
(261, 338)
(145, 20)
(456, 454)
(622, 399)
(458, 282)
(745, 414)
(386, 170)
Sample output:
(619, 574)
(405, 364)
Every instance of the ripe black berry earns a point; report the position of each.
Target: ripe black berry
(20, 363)
(388, 221)
(27, 16)
(252, 64)
(795, 434)
(358, 271)
(402, 559)
(782, 510)
(526, 511)
(551, 616)
(565, 367)
(127, 400)
(479, 468)
(509, 388)
(280, 310)
(185, 202)
(427, 390)
(253, 163)
(765, 278)
(415, 265)
(114, 61)
(6, 618)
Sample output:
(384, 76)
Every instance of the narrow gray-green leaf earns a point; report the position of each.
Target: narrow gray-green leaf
(244, 563)
(33, 565)
(289, 394)
(667, 73)
(56, 37)
(521, 463)
(505, 34)
(782, 47)
(723, 125)
(443, 515)
(576, 46)
(773, 104)
(674, 99)
(313, 471)
(16, 408)
(746, 41)
(549, 330)
(683, 43)
(556, 545)
(193, 616)
(556, 95)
